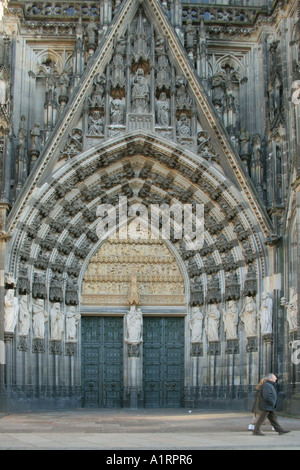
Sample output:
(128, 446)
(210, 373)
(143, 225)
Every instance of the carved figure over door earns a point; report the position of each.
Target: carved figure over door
(134, 321)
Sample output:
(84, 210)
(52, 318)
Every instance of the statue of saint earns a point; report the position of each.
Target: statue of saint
(140, 92)
(96, 124)
(183, 126)
(196, 325)
(117, 112)
(56, 322)
(134, 321)
(231, 319)
(72, 321)
(163, 109)
(24, 316)
(248, 316)
(291, 309)
(266, 314)
(40, 316)
(212, 323)
(11, 308)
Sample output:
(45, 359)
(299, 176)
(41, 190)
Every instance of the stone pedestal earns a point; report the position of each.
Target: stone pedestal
(134, 379)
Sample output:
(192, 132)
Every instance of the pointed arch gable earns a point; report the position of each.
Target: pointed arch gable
(208, 117)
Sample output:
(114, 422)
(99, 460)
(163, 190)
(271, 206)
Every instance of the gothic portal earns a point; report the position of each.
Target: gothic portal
(114, 110)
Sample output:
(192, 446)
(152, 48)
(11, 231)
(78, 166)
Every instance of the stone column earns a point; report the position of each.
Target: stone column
(296, 336)
(134, 364)
(196, 353)
(133, 338)
(4, 237)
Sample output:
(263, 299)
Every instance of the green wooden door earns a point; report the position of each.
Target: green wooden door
(102, 361)
(163, 362)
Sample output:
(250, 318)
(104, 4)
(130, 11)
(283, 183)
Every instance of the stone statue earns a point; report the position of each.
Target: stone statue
(196, 325)
(244, 142)
(35, 138)
(266, 314)
(40, 316)
(24, 316)
(190, 35)
(248, 316)
(183, 126)
(217, 85)
(212, 323)
(22, 137)
(97, 97)
(163, 66)
(183, 101)
(292, 310)
(91, 32)
(117, 112)
(63, 82)
(140, 92)
(231, 319)
(95, 124)
(56, 322)
(163, 109)
(72, 321)
(134, 321)
(11, 308)
(118, 67)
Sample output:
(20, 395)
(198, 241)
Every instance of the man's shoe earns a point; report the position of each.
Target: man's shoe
(283, 432)
(258, 433)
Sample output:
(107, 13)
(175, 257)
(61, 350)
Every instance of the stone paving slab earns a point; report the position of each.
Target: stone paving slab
(141, 430)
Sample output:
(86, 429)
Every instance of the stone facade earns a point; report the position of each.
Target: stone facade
(157, 103)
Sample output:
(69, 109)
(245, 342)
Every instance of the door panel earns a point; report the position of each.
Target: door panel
(102, 361)
(163, 357)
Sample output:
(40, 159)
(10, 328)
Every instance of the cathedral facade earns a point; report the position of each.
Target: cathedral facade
(119, 119)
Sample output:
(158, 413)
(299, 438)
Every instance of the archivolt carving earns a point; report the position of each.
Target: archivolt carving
(68, 217)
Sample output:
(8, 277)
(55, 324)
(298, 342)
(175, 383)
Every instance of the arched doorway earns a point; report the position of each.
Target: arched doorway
(57, 241)
(133, 277)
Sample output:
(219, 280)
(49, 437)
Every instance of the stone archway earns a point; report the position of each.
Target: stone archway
(136, 276)
(55, 238)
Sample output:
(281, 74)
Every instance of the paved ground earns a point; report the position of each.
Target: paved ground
(120, 430)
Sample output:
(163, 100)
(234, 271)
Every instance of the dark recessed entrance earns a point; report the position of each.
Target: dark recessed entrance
(102, 361)
(103, 367)
(163, 362)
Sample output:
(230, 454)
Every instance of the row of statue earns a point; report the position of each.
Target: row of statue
(248, 316)
(20, 310)
(211, 321)
(23, 312)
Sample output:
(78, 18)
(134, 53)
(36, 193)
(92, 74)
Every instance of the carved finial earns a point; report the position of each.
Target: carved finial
(5, 235)
(133, 298)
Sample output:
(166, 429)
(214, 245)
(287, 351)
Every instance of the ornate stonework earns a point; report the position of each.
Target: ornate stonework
(108, 276)
(161, 103)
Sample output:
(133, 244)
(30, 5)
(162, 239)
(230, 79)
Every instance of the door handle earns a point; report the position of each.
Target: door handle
(167, 385)
(91, 385)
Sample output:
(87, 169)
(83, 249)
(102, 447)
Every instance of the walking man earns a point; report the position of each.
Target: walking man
(267, 402)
